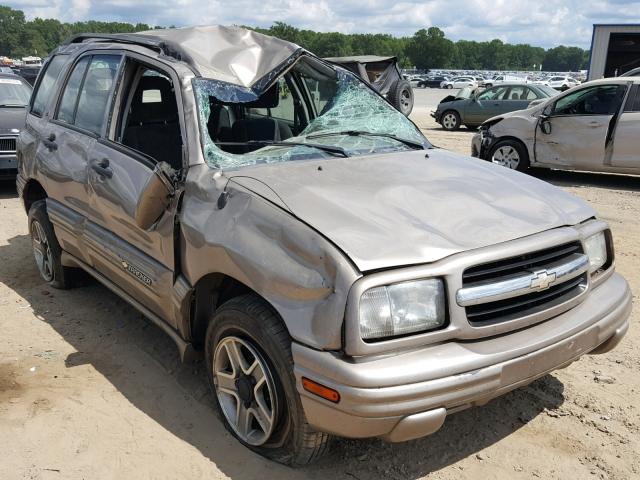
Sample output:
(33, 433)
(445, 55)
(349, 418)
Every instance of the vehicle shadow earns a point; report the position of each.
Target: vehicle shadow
(562, 178)
(8, 188)
(142, 364)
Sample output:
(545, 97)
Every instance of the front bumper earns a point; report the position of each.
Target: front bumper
(408, 395)
(436, 115)
(8, 166)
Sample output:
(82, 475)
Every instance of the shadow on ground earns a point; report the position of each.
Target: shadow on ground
(142, 363)
(8, 188)
(587, 179)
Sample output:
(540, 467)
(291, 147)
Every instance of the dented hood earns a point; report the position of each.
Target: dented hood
(402, 209)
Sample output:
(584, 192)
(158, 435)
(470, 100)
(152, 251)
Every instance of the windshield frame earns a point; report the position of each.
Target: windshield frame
(243, 95)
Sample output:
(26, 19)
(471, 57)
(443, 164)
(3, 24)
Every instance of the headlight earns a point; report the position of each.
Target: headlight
(596, 249)
(402, 308)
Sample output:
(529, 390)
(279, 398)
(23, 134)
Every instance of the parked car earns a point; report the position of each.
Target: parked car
(279, 218)
(14, 97)
(592, 127)
(471, 107)
(561, 83)
(432, 82)
(632, 73)
(29, 73)
(459, 82)
(383, 74)
(498, 79)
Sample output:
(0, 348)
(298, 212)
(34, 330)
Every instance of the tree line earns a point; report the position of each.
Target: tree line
(427, 48)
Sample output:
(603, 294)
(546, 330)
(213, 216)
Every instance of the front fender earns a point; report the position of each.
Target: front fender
(297, 270)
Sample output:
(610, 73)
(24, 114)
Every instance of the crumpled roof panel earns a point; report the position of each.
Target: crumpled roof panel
(229, 54)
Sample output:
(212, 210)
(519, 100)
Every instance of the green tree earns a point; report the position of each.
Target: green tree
(430, 49)
(12, 24)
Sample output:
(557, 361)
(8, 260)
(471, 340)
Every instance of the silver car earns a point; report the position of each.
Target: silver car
(278, 218)
(592, 127)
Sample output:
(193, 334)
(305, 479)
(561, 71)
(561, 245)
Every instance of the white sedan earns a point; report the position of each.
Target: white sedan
(459, 82)
(561, 83)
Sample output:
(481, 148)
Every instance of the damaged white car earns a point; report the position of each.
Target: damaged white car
(593, 127)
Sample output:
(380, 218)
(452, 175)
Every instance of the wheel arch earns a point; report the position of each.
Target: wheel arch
(209, 293)
(32, 192)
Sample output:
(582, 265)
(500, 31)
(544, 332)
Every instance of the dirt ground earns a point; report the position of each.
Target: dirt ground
(90, 390)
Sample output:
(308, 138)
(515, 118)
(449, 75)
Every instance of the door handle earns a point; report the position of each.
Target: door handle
(101, 167)
(50, 142)
(594, 124)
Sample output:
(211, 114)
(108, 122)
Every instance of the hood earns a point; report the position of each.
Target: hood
(402, 209)
(12, 118)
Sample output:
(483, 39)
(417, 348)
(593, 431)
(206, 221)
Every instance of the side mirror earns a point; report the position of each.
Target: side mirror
(545, 124)
(155, 196)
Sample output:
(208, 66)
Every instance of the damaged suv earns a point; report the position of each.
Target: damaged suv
(275, 215)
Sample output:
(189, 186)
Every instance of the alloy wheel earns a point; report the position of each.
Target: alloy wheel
(245, 390)
(41, 251)
(507, 156)
(405, 100)
(449, 121)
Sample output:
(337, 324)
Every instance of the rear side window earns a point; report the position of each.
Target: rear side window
(67, 109)
(95, 92)
(47, 84)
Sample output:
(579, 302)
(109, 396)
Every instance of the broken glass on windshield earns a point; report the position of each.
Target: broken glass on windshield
(306, 113)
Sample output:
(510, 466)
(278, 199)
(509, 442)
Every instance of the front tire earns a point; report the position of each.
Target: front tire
(511, 154)
(250, 367)
(46, 249)
(450, 120)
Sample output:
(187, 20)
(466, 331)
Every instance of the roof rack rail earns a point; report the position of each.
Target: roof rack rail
(164, 47)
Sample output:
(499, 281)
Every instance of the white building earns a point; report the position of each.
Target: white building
(615, 49)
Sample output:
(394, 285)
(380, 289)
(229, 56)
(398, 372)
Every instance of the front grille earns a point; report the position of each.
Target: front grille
(7, 145)
(530, 301)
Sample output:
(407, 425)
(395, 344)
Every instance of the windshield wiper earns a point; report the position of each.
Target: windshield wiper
(4, 105)
(327, 148)
(361, 133)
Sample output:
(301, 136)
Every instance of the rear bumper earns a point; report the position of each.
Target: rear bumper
(416, 403)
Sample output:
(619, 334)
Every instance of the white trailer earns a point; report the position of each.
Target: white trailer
(615, 49)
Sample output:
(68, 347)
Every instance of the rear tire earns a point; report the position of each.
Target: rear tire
(401, 96)
(253, 324)
(450, 120)
(46, 249)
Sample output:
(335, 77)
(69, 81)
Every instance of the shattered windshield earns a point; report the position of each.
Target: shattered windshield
(311, 111)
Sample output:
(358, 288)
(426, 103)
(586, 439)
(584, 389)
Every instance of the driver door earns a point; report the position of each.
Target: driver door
(576, 130)
(484, 106)
(143, 131)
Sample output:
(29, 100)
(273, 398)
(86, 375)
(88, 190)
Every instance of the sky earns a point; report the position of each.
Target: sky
(544, 23)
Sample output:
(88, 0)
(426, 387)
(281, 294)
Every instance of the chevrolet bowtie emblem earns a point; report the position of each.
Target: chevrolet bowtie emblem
(542, 280)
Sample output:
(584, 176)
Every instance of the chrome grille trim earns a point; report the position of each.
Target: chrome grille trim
(7, 145)
(557, 273)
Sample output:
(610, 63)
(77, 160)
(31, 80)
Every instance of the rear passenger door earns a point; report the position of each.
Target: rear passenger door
(517, 98)
(143, 130)
(626, 141)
